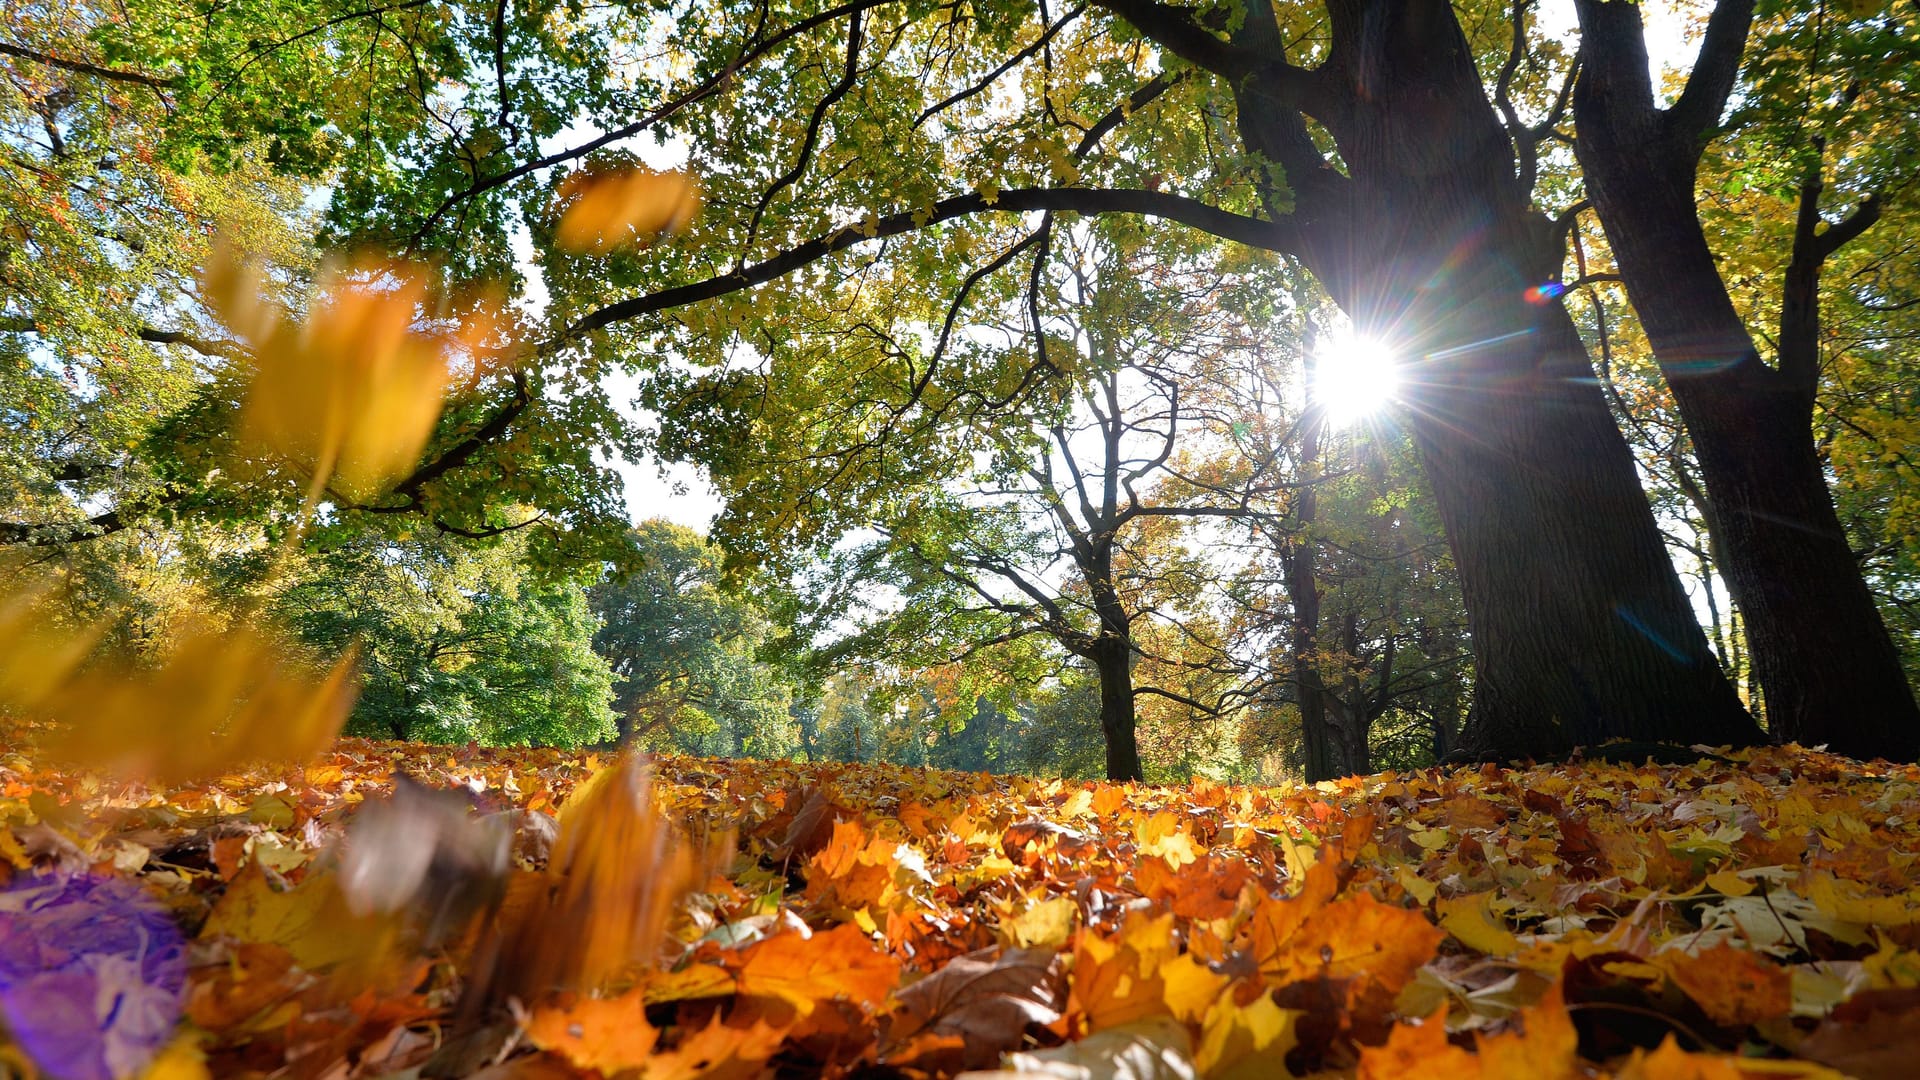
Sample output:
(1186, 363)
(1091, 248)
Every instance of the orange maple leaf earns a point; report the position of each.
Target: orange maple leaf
(836, 964)
(608, 1034)
(1733, 985)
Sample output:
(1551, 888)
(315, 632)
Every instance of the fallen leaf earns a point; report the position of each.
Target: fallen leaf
(610, 1034)
(1158, 1048)
(839, 964)
(1734, 986)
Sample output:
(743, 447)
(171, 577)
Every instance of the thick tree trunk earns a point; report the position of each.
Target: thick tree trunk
(1829, 670)
(1822, 654)
(1112, 658)
(1580, 627)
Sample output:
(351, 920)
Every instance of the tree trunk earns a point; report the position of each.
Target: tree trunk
(1581, 629)
(1299, 560)
(1827, 667)
(1112, 657)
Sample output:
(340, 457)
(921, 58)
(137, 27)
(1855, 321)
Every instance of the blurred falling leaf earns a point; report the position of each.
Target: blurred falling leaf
(618, 873)
(606, 211)
(36, 655)
(216, 699)
(424, 851)
(353, 392)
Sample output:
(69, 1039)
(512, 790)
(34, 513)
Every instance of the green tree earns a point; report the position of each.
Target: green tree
(128, 145)
(685, 649)
(456, 643)
(876, 170)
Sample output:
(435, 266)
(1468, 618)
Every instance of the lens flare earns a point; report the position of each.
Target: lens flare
(1354, 377)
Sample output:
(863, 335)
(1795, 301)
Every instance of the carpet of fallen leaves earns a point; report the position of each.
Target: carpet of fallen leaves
(1741, 917)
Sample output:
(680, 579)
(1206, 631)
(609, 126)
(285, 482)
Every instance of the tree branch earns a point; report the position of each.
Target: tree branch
(54, 533)
(1276, 236)
(1844, 231)
(82, 67)
(1013, 61)
(1175, 30)
(706, 88)
(810, 140)
(1697, 112)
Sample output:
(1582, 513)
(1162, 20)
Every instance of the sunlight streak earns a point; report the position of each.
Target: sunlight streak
(1353, 378)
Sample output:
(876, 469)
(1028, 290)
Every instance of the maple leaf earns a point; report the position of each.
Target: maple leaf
(1419, 1049)
(1471, 921)
(1544, 1046)
(1873, 1035)
(1734, 986)
(311, 920)
(1357, 938)
(805, 971)
(608, 1034)
(1139, 973)
(986, 1000)
(718, 1051)
(1157, 1048)
(1246, 1042)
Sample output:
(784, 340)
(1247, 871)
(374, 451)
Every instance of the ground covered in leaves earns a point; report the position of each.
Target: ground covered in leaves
(400, 910)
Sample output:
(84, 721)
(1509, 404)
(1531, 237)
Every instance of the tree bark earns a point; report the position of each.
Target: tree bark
(1112, 658)
(1299, 559)
(1581, 629)
(1828, 669)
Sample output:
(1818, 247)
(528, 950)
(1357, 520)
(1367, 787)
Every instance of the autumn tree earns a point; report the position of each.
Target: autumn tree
(130, 147)
(1351, 604)
(875, 170)
(1362, 139)
(1818, 95)
(1060, 527)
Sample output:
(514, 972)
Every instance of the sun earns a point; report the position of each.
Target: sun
(1354, 378)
